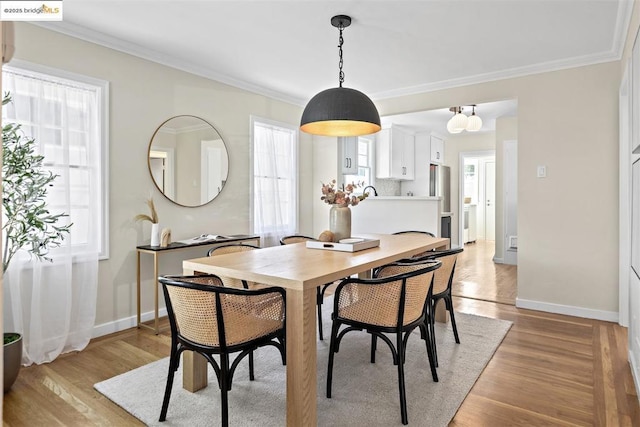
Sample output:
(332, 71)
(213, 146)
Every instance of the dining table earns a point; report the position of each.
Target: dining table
(300, 270)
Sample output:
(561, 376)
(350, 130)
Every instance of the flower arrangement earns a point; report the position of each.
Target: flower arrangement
(341, 196)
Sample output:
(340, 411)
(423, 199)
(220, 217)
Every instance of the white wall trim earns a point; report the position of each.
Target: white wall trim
(498, 260)
(124, 323)
(569, 310)
(635, 372)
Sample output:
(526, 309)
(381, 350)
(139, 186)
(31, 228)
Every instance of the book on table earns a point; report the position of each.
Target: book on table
(203, 238)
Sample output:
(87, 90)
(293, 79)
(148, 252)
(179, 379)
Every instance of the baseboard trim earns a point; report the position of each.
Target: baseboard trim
(125, 323)
(498, 260)
(569, 310)
(635, 373)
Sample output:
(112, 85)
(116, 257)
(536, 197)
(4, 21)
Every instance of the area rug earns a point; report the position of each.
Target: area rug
(364, 394)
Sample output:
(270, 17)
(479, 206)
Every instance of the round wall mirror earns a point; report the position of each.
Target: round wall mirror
(188, 160)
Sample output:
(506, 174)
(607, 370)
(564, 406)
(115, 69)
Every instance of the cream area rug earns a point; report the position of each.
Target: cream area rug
(364, 394)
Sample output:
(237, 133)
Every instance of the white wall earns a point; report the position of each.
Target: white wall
(557, 215)
(506, 130)
(143, 94)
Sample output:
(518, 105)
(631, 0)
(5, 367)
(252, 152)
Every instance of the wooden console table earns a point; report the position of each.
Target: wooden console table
(155, 251)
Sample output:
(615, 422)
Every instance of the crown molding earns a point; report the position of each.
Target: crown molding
(544, 67)
(623, 19)
(120, 45)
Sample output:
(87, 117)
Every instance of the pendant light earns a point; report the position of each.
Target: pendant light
(340, 111)
(474, 123)
(460, 122)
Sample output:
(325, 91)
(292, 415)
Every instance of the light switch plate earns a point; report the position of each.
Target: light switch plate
(542, 171)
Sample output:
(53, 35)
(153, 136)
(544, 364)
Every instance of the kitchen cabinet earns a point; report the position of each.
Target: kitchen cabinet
(437, 150)
(395, 151)
(348, 155)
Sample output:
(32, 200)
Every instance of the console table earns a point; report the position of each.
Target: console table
(155, 251)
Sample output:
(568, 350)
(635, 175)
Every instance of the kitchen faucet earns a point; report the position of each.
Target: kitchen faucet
(375, 193)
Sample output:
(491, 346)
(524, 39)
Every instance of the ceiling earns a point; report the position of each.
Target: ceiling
(288, 49)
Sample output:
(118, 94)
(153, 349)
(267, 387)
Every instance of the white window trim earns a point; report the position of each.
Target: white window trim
(103, 101)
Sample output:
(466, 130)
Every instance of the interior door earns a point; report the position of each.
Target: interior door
(490, 200)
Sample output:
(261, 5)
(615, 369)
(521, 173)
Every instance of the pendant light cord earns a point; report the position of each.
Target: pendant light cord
(340, 62)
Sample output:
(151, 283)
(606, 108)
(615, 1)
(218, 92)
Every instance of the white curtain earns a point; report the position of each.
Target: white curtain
(274, 182)
(53, 304)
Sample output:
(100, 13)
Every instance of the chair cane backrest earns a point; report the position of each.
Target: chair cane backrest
(423, 233)
(377, 301)
(443, 278)
(232, 248)
(204, 311)
(296, 238)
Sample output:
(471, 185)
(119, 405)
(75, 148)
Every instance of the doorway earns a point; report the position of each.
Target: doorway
(478, 190)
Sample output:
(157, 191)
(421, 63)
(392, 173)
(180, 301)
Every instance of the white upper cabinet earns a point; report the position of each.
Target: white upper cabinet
(395, 154)
(348, 155)
(437, 150)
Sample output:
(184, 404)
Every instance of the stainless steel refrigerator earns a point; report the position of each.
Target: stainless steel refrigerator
(440, 185)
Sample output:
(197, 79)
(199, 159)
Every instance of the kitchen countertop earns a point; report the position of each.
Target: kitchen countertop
(422, 198)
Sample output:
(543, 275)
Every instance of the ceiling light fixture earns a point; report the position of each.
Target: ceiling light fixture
(460, 122)
(340, 111)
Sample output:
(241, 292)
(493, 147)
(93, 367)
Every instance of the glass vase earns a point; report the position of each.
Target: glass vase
(340, 222)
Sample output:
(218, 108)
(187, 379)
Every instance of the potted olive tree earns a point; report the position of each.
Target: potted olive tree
(27, 223)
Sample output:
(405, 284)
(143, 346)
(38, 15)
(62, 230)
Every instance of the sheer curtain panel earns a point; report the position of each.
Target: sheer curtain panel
(275, 181)
(53, 304)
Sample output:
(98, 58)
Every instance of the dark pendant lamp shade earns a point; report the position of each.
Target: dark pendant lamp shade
(340, 111)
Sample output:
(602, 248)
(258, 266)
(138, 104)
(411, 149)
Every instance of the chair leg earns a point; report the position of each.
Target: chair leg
(319, 301)
(432, 364)
(251, 376)
(332, 346)
(224, 388)
(449, 303)
(432, 327)
(167, 391)
(374, 346)
(401, 386)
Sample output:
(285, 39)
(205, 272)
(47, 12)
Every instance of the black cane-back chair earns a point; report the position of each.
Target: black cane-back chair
(208, 318)
(394, 302)
(442, 282)
(298, 238)
(232, 248)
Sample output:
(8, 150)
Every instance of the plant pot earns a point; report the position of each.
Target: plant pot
(155, 234)
(12, 359)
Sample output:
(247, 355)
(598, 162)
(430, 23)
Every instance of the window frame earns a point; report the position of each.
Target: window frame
(101, 88)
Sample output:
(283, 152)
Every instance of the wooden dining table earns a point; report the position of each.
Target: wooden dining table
(300, 270)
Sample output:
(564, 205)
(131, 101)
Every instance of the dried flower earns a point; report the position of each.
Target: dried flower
(153, 218)
(343, 196)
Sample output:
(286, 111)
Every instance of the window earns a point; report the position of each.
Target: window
(365, 163)
(67, 116)
(274, 182)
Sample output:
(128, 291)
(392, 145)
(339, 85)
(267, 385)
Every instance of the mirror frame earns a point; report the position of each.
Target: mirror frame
(149, 150)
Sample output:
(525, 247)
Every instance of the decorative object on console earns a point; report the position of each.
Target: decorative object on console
(153, 219)
(460, 122)
(326, 236)
(340, 111)
(340, 213)
(165, 237)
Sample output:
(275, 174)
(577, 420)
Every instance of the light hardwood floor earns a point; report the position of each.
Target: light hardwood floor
(478, 277)
(550, 370)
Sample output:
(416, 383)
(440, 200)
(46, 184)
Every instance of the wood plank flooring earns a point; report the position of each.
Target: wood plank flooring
(478, 277)
(550, 370)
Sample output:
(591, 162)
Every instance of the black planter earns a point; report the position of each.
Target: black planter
(12, 360)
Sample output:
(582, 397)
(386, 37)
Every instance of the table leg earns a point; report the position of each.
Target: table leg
(138, 287)
(194, 371)
(301, 358)
(157, 285)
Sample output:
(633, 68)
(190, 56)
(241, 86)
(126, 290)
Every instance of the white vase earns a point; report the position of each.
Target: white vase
(340, 222)
(155, 234)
